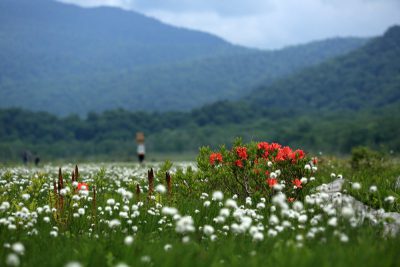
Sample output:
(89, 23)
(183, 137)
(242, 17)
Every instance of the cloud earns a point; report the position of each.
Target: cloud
(269, 23)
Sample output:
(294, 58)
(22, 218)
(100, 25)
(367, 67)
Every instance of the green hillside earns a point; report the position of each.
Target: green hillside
(349, 101)
(52, 55)
(366, 78)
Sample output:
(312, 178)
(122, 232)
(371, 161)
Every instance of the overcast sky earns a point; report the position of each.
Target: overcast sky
(268, 23)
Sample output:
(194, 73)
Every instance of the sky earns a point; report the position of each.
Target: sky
(268, 24)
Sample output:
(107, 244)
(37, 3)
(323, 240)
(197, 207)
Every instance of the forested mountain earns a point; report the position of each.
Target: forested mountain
(349, 101)
(365, 78)
(66, 59)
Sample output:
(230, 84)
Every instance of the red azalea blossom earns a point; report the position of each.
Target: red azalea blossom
(272, 181)
(82, 186)
(267, 173)
(290, 199)
(274, 146)
(241, 152)
(239, 163)
(297, 183)
(315, 160)
(263, 145)
(215, 157)
(296, 155)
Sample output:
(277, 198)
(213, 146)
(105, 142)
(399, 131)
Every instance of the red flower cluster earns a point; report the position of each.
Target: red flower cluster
(271, 182)
(279, 153)
(241, 151)
(239, 163)
(82, 186)
(215, 157)
(261, 167)
(297, 183)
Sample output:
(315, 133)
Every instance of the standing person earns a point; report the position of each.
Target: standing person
(141, 149)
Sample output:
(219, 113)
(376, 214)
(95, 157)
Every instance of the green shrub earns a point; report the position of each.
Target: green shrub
(256, 169)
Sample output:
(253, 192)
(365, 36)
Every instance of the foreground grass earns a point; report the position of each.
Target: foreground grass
(90, 240)
(366, 248)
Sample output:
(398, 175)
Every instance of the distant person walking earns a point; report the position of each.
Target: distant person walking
(141, 149)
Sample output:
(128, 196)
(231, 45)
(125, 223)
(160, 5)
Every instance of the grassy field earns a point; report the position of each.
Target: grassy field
(111, 224)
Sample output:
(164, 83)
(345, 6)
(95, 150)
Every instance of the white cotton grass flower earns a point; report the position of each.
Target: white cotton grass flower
(260, 206)
(124, 214)
(73, 264)
(5, 206)
(273, 220)
(333, 222)
(217, 196)
(389, 199)
(272, 233)
(258, 236)
(206, 203)
(203, 196)
(298, 206)
(121, 264)
(128, 240)
(114, 223)
(299, 238)
(160, 188)
(12, 260)
(167, 247)
(18, 248)
(208, 230)
(63, 192)
(248, 201)
(224, 212)
(26, 196)
(278, 187)
(81, 211)
(53, 233)
(145, 259)
(356, 186)
(314, 168)
(347, 212)
(373, 189)
(230, 203)
(171, 211)
(302, 218)
(111, 202)
(184, 225)
(307, 167)
(344, 238)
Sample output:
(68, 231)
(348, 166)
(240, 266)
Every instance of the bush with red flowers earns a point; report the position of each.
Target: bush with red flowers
(257, 168)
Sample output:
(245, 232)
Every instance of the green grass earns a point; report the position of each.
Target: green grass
(90, 241)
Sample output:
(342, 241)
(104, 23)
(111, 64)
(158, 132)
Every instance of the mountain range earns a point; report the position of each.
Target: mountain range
(64, 59)
(330, 95)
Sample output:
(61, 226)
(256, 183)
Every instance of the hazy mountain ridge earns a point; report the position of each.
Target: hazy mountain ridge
(334, 118)
(368, 77)
(53, 55)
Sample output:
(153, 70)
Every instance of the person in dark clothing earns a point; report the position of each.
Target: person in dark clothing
(37, 160)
